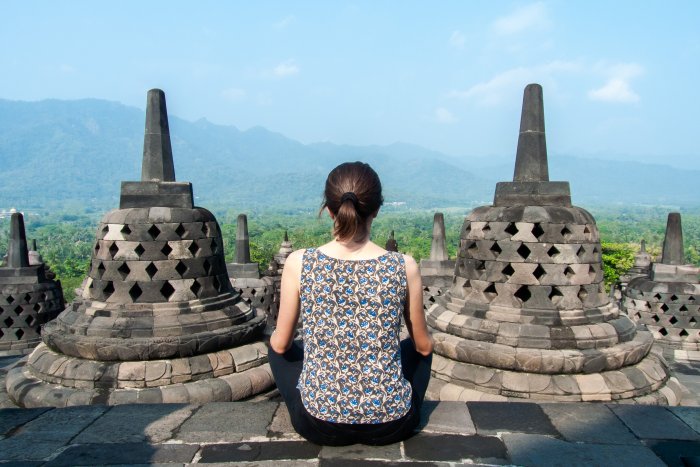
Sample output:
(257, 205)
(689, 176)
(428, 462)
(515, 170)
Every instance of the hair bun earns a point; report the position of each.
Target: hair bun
(349, 195)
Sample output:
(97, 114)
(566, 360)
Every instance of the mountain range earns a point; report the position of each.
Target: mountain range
(58, 153)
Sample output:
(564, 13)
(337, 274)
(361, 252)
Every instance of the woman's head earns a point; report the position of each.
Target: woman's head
(353, 195)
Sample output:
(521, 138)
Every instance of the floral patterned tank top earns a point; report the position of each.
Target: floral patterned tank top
(351, 315)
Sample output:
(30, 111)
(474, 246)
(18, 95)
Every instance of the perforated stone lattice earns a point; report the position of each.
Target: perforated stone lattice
(23, 309)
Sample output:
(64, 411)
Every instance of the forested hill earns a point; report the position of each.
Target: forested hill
(58, 153)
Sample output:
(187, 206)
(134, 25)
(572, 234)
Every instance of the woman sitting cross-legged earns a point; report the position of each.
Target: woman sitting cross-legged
(352, 380)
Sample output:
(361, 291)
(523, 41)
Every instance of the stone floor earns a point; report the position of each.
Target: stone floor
(259, 433)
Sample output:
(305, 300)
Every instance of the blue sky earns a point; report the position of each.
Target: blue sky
(621, 79)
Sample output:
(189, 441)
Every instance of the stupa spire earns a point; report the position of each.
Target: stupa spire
(531, 155)
(391, 243)
(673, 241)
(438, 251)
(242, 240)
(17, 251)
(643, 246)
(157, 152)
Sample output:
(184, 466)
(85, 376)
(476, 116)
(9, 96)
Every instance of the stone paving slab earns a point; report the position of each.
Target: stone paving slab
(676, 453)
(588, 423)
(361, 452)
(456, 448)
(521, 417)
(653, 422)
(256, 451)
(227, 422)
(689, 415)
(446, 417)
(533, 450)
(124, 453)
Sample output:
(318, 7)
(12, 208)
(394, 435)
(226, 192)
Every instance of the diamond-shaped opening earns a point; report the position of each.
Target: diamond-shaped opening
(683, 308)
(135, 292)
(180, 230)
(591, 270)
(496, 249)
(8, 322)
(100, 270)
(664, 307)
(105, 229)
(508, 270)
(27, 297)
(595, 250)
(523, 293)
(523, 251)
(582, 294)
(692, 321)
(151, 270)
(108, 290)
(214, 246)
(537, 230)
(673, 320)
(581, 251)
(657, 296)
(691, 299)
(252, 292)
(683, 333)
(205, 229)
(553, 252)
(655, 318)
(565, 232)
(181, 268)
(217, 284)
(555, 295)
(207, 266)
(10, 299)
(97, 247)
(490, 292)
(166, 250)
(195, 287)
(43, 297)
(486, 228)
(126, 230)
(539, 272)
(194, 248)
(663, 331)
(124, 270)
(36, 307)
(154, 232)
(586, 230)
(472, 247)
(511, 229)
(674, 298)
(30, 320)
(18, 310)
(167, 290)
(19, 333)
(139, 250)
(113, 249)
(637, 315)
(480, 265)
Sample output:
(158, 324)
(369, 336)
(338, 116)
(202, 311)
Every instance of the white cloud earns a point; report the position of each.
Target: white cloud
(457, 39)
(533, 16)
(65, 68)
(617, 88)
(286, 68)
(442, 115)
(234, 94)
(503, 85)
(284, 22)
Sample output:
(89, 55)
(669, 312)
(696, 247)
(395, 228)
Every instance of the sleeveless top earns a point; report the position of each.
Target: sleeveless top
(351, 315)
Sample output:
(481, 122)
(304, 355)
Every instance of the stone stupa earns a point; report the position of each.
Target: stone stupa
(438, 270)
(245, 277)
(527, 315)
(29, 298)
(667, 301)
(158, 320)
(391, 243)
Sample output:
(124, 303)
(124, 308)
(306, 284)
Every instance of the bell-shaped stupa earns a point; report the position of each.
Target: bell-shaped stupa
(28, 297)
(527, 315)
(667, 300)
(158, 320)
(257, 291)
(391, 243)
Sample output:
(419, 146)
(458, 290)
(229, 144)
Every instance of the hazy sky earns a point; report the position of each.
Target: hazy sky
(621, 78)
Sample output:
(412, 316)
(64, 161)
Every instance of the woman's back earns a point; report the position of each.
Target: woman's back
(351, 314)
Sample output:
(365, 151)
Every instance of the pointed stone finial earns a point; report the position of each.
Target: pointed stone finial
(438, 252)
(643, 246)
(17, 252)
(242, 240)
(157, 151)
(673, 241)
(531, 156)
(286, 236)
(391, 243)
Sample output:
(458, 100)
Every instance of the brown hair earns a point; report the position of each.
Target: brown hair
(353, 193)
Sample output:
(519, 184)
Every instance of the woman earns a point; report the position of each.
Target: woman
(352, 381)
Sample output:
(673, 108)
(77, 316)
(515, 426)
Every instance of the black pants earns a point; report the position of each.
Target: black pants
(286, 369)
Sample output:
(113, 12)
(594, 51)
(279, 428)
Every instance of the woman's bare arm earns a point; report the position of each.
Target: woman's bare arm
(413, 312)
(288, 315)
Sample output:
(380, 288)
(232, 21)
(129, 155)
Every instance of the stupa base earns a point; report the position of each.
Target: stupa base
(647, 382)
(50, 379)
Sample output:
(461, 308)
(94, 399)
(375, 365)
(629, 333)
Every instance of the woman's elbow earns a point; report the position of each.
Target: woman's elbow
(279, 347)
(426, 348)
